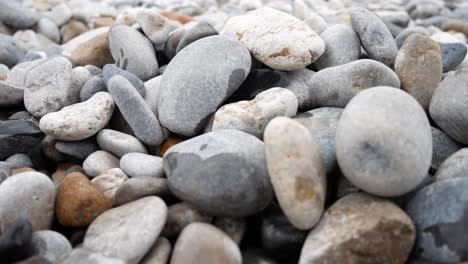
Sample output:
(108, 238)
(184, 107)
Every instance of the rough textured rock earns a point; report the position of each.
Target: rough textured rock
(454, 166)
(119, 143)
(99, 162)
(142, 165)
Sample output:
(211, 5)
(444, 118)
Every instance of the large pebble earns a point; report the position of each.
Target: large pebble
(355, 224)
(447, 106)
(181, 215)
(79, 121)
(109, 181)
(99, 162)
(216, 247)
(50, 245)
(253, 116)
(47, 86)
(140, 164)
(34, 202)
(210, 164)
(384, 142)
(454, 166)
(94, 51)
(14, 14)
(10, 52)
(277, 39)
(136, 188)
(187, 99)
(419, 67)
(335, 86)
(119, 143)
(127, 232)
(296, 171)
(374, 35)
(133, 52)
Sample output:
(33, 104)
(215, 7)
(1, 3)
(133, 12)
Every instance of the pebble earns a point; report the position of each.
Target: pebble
(168, 143)
(173, 40)
(111, 70)
(5, 171)
(18, 136)
(233, 227)
(35, 201)
(335, 86)
(181, 215)
(276, 39)
(17, 75)
(155, 26)
(133, 52)
(47, 86)
(99, 162)
(455, 166)
(136, 112)
(447, 105)
(199, 31)
(105, 21)
(374, 35)
(419, 67)
(296, 171)
(14, 240)
(216, 247)
(438, 212)
(152, 88)
(80, 149)
(253, 116)
(356, 223)
(442, 147)
(79, 121)
(17, 16)
(82, 255)
(127, 232)
(72, 29)
(82, 38)
(452, 54)
(48, 28)
(183, 107)
(211, 163)
(94, 51)
(50, 245)
(403, 35)
(60, 14)
(93, 70)
(119, 143)
(136, 188)
(10, 52)
(80, 75)
(19, 160)
(159, 252)
(389, 167)
(92, 86)
(11, 96)
(109, 181)
(342, 46)
(141, 165)
(176, 16)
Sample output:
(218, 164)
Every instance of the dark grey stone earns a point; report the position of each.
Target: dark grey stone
(18, 136)
(442, 147)
(110, 70)
(14, 241)
(400, 38)
(94, 85)
(80, 149)
(452, 54)
(11, 96)
(19, 160)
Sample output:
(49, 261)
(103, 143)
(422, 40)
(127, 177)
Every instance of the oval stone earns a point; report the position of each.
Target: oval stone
(142, 165)
(454, 166)
(119, 143)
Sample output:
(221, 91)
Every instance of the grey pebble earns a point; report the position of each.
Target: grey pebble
(179, 216)
(60, 14)
(80, 75)
(20, 115)
(99, 162)
(159, 253)
(12, 13)
(48, 28)
(199, 31)
(10, 51)
(119, 143)
(155, 26)
(452, 54)
(400, 38)
(153, 89)
(92, 86)
(20, 160)
(140, 165)
(11, 95)
(50, 245)
(80, 149)
(136, 188)
(94, 70)
(110, 70)
(442, 147)
(455, 166)
(233, 227)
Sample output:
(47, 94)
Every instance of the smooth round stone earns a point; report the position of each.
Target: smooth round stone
(211, 163)
(173, 40)
(253, 116)
(296, 171)
(139, 165)
(99, 162)
(35, 201)
(80, 75)
(452, 54)
(181, 215)
(159, 253)
(82, 255)
(356, 223)
(79, 121)
(184, 105)
(133, 52)
(79, 202)
(442, 147)
(127, 232)
(295, 44)
(47, 86)
(136, 188)
(10, 52)
(155, 26)
(60, 14)
(111, 70)
(48, 28)
(18, 136)
(20, 160)
(455, 166)
(400, 38)
(50, 245)
(342, 46)
(136, 112)
(92, 86)
(384, 142)
(109, 181)
(14, 241)
(11, 96)
(335, 86)
(93, 70)
(153, 89)
(447, 107)
(374, 35)
(199, 31)
(77, 149)
(12, 13)
(419, 67)
(119, 143)
(215, 247)
(72, 29)
(94, 51)
(438, 212)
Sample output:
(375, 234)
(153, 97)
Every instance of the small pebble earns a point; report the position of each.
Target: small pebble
(19, 160)
(109, 181)
(119, 143)
(99, 162)
(136, 188)
(142, 165)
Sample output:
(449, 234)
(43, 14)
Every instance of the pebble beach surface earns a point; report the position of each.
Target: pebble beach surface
(233, 131)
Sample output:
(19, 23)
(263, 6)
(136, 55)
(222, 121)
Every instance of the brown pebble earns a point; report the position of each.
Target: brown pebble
(169, 142)
(177, 17)
(457, 26)
(93, 52)
(20, 170)
(103, 22)
(72, 29)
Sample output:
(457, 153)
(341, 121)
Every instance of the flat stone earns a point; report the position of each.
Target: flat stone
(374, 35)
(184, 106)
(94, 51)
(455, 166)
(80, 149)
(181, 215)
(296, 171)
(159, 253)
(19, 160)
(199, 31)
(419, 67)
(111, 70)
(47, 86)
(35, 202)
(82, 255)
(442, 147)
(211, 163)
(335, 86)
(18, 136)
(447, 106)
(12, 13)
(216, 247)
(133, 52)
(136, 112)
(92, 86)
(119, 143)
(140, 165)
(136, 188)
(452, 54)
(48, 28)
(109, 181)
(296, 45)
(14, 241)
(50, 245)
(127, 232)
(253, 116)
(79, 121)
(99, 162)
(10, 52)
(384, 142)
(353, 225)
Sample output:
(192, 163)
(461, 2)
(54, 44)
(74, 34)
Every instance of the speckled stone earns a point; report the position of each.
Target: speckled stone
(455, 166)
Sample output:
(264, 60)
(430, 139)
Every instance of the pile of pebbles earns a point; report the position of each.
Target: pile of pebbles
(233, 131)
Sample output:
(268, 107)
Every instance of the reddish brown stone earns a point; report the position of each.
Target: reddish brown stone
(169, 142)
(93, 52)
(177, 17)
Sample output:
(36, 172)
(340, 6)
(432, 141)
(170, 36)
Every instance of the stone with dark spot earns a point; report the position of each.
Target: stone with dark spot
(384, 142)
(198, 80)
(440, 214)
(110, 70)
(227, 178)
(199, 31)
